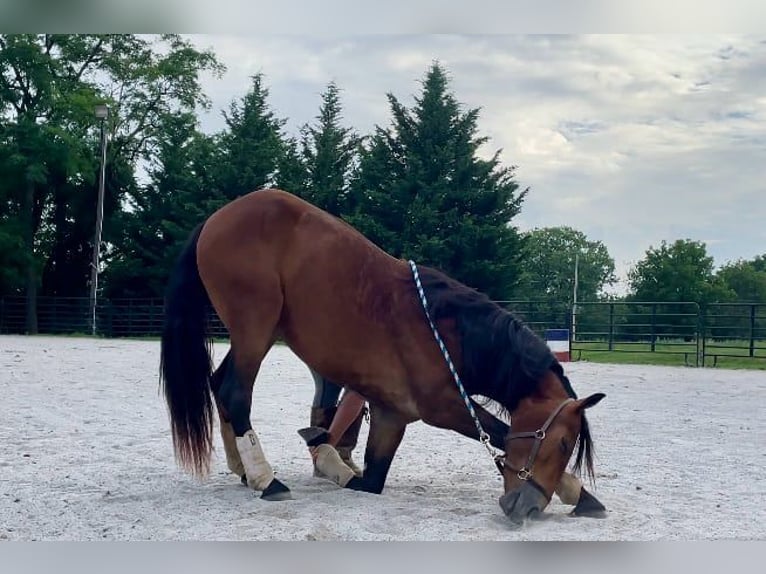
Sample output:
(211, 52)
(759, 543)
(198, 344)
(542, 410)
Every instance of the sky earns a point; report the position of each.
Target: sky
(631, 139)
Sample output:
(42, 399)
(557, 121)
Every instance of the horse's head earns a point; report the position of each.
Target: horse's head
(537, 449)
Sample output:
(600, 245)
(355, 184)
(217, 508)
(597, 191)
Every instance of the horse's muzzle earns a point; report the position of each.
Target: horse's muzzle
(522, 503)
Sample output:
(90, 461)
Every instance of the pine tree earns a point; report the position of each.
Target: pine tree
(424, 193)
(329, 152)
(252, 143)
(180, 194)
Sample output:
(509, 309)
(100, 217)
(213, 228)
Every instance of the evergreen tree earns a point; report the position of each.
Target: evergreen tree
(329, 152)
(252, 144)
(180, 194)
(424, 193)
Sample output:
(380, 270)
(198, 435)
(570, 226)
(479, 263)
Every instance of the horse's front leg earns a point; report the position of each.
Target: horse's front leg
(386, 432)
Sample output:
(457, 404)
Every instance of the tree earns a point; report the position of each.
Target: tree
(49, 85)
(672, 274)
(746, 280)
(180, 194)
(759, 263)
(681, 271)
(252, 145)
(329, 155)
(549, 264)
(423, 193)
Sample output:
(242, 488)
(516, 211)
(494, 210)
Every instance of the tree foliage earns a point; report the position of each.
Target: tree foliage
(423, 187)
(681, 271)
(423, 192)
(548, 268)
(746, 280)
(329, 155)
(49, 85)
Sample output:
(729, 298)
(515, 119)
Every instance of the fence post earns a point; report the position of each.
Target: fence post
(611, 326)
(703, 333)
(654, 327)
(752, 330)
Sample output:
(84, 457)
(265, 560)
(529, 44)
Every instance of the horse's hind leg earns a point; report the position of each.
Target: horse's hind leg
(234, 398)
(233, 459)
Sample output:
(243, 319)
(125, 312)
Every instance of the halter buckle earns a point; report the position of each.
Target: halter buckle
(524, 474)
(540, 434)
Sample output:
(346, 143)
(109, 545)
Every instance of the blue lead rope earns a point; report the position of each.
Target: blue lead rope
(483, 436)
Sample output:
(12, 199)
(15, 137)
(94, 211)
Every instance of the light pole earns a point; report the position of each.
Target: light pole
(574, 296)
(101, 112)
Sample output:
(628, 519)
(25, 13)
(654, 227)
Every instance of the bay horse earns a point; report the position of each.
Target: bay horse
(275, 267)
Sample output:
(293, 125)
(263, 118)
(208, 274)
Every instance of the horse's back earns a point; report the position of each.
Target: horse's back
(336, 292)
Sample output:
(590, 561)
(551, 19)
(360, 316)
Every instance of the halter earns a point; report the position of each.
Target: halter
(524, 473)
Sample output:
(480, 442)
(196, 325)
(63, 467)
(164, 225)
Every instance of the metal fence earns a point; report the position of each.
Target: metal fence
(733, 330)
(639, 327)
(114, 317)
(683, 331)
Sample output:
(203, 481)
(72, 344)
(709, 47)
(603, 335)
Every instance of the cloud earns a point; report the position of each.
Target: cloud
(631, 139)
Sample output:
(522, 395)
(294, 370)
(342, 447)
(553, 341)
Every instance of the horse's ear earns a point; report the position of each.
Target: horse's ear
(590, 401)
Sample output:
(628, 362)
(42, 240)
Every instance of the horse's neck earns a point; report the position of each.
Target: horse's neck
(550, 387)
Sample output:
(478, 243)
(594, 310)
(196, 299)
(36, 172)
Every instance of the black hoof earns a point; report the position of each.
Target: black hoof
(243, 480)
(314, 436)
(356, 483)
(276, 491)
(589, 506)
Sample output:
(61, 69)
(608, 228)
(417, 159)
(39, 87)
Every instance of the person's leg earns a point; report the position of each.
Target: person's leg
(326, 393)
(345, 427)
(348, 413)
(337, 426)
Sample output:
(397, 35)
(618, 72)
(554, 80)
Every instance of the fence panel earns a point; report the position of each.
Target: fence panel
(734, 330)
(541, 315)
(680, 331)
(638, 327)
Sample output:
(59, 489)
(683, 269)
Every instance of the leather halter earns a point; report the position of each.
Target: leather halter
(525, 473)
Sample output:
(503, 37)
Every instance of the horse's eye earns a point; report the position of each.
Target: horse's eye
(564, 446)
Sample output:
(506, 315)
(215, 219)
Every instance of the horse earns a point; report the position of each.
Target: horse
(277, 268)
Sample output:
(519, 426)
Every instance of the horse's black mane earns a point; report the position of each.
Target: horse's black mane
(502, 358)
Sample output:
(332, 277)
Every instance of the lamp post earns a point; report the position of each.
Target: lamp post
(101, 112)
(574, 296)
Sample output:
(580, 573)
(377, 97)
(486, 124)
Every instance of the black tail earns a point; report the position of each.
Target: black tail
(185, 364)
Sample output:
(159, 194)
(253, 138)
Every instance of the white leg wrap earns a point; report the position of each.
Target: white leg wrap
(257, 468)
(568, 489)
(233, 460)
(329, 463)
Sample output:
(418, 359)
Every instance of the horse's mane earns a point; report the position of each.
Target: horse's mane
(502, 358)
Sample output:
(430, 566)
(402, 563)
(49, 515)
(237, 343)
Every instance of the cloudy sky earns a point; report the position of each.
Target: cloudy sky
(630, 139)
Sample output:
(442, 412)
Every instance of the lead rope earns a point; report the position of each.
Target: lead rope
(483, 436)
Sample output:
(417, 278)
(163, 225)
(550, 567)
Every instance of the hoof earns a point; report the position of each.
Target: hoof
(356, 483)
(243, 480)
(276, 491)
(589, 506)
(314, 436)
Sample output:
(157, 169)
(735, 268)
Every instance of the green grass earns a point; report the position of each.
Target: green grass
(673, 353)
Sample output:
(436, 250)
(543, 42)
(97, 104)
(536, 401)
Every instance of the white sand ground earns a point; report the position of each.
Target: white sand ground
(85, 453)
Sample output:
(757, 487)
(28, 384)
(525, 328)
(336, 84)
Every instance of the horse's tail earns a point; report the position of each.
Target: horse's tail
(185, 364)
